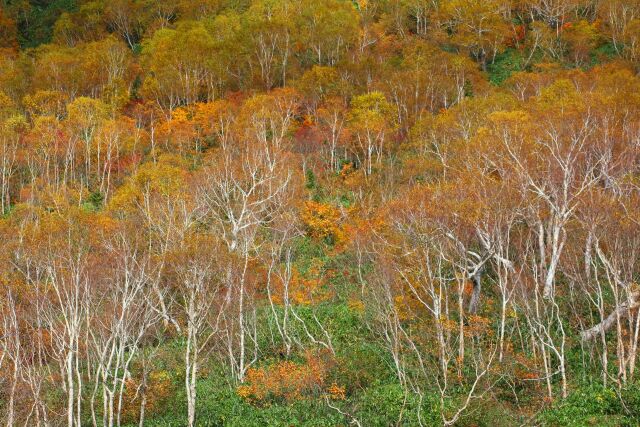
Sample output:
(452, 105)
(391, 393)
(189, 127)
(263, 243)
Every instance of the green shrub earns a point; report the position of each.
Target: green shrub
(388, 404)
(590, 404)
(504, 65)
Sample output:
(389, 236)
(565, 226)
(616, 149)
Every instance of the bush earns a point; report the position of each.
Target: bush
(388, 404)
(590, 404)
(506, 63)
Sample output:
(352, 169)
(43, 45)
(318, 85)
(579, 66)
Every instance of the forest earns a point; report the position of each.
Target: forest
(319, 213)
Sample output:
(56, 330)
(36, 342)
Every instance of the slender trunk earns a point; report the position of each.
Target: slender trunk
(476, 280)
(503, 316)
(634, 347)
(70, 389)
(547, 373)
(12, 394)
(460, 360)
(563, 374)
(191, 354)
(556, 249)
(143, 401)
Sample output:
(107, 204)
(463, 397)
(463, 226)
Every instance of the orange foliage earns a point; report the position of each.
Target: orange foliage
(323, 221)
(336, 392)
(303, 290)
(477, 325)
(158, 390)
(288, 381)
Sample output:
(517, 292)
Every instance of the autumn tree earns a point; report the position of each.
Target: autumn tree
(371, 125)
(478, 27)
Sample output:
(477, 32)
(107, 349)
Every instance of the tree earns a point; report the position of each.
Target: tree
(123, 16)
(202, 301)
(370, 122)
(421, 272)
(270, 27)
(8, 32)
(12, 131)
(180, 65)
(478, 27)
(117, 332)
(11, 345)
(244, 189)
(331, 29)
(427, 81)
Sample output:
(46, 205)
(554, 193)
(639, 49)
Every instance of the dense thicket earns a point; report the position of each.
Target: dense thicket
(319, 212)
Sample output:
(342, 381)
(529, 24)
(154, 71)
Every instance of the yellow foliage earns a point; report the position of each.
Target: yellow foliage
(356, 305)
(165, 178)
(323, 221)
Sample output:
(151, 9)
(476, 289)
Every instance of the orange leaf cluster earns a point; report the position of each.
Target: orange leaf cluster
(323, 221)
(287, 381)
(158, 390)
